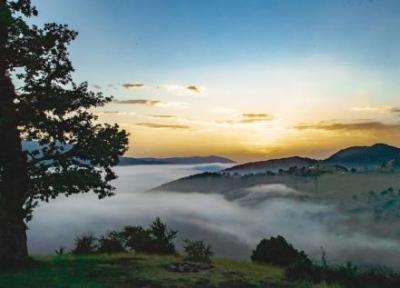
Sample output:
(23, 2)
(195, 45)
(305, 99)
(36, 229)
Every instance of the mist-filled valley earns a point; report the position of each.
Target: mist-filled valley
(344, 224)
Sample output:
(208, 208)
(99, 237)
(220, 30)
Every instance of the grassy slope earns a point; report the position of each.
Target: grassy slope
(129, 270)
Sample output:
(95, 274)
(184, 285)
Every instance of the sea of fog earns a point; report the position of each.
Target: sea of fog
(233, 228)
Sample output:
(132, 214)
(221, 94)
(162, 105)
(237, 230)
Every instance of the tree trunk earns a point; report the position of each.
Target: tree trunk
(13, 168)
(13, 181)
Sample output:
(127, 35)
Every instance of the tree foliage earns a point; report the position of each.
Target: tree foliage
(85, 244)
(111, 243)
(278, 251)
(156, 239)
(75, 153)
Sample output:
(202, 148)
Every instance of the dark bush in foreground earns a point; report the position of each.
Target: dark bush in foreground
(111, 243)
(197, 251)
(345, 275)
(278, 251)
(85, 244)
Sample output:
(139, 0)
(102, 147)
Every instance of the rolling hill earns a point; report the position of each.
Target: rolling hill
(361, 157)
(273, 165)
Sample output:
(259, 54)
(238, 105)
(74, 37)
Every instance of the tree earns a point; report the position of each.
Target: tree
(278, 251)
(74, 152)
(162, 237)
(156, 239)
(85, 244)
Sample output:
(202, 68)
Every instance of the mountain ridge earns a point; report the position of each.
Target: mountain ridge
(375, 155)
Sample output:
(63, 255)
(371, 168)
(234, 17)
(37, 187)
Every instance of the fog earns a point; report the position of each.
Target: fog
(233, 228)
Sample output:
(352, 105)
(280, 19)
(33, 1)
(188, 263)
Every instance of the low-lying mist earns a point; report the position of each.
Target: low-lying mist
(233, 228)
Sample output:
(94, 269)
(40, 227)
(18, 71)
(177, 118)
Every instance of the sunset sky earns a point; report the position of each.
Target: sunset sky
(248, 80)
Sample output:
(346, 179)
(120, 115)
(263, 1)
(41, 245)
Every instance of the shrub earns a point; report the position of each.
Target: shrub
(157, 239)
(60, 251)
(279, 252)
(137, 238)
(305, 272)
(162, 237)
(197, 251)
(85, 244)
(345, 275)
(111, 243)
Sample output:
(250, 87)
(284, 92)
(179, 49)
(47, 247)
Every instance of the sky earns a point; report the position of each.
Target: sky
(249, 80)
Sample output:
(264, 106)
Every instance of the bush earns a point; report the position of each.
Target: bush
(162, 237)
(111, 243)
(137, 238)
(345, 275)
(197, 251)
(157, 239)
(85, 244)
(60, 251)
(278, 252)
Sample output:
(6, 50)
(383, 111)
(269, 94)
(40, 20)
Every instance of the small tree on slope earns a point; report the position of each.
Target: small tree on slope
(74, 153)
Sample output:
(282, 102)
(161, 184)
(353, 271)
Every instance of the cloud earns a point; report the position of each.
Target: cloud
(193, 88)
(98, 87)
(395, 110)
(369, 125)
(181, 89)
(255, 117)
(174, 104)
(233, 228)
(139, 102)
(168, 126)
(119, 113)
(132, 85)
(379, 109)
(164, 116)
(248, 118)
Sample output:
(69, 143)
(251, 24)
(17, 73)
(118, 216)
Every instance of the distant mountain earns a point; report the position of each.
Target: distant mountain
(124, 161)
(273, 165)
(365, 156)
(174, 160)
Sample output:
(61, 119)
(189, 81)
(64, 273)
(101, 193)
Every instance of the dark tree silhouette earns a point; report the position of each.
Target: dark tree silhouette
(73, 154)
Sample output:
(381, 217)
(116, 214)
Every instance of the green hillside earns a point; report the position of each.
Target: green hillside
(140, 270)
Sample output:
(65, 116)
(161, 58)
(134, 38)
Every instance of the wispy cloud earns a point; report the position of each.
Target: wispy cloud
(119, 113)
(368, 125)
(395, 110)
(164, 116)
(378, 109)
(255, 117)
(248, 118)
(193, 88)
(182, 89)
(167, 126)
(174, 104)
(139, 102)
(132, 85)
